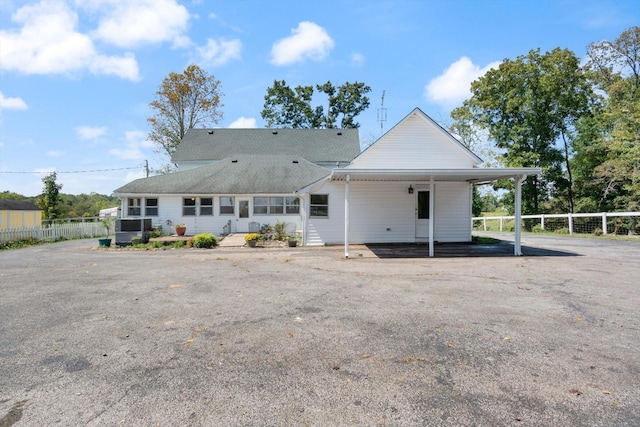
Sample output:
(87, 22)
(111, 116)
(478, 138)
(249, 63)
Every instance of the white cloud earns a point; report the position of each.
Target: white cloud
(357, 59)
(90, 132)
(136, 140)
(54, 153)
(48, 42)
(243, 123)
(12, 103)
(308, 41)
(216, 53)
(454, 85)
(127, 23)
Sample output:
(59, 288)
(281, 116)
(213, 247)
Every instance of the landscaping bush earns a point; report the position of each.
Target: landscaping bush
(204, 240)
(537, 229)
(563, 230)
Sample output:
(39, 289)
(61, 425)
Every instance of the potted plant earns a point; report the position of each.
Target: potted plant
(293, 241)
(181, 229)
(106, 223)
(252, 239)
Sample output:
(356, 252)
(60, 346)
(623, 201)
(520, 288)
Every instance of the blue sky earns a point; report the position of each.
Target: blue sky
(76, 76)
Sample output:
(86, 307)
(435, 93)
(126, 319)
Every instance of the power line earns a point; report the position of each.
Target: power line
(82, 171)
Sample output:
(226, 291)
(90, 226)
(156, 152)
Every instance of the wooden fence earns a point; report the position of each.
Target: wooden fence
(54, 232)
(620, 223)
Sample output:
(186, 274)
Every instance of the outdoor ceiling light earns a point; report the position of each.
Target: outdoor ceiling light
(410, 189)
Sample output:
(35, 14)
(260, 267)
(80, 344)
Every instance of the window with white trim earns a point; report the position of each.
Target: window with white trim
(260, 205)
(151, 207)
(189, 206)
(319, 205)
(227, 205)
(133, 206)
(292, 205)
(206, 206)
(277, 205)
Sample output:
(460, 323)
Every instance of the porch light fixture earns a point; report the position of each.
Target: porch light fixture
(410, 189)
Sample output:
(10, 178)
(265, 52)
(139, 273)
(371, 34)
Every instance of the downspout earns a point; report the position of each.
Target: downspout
(517, 251)
(431, 219)
(346, 217)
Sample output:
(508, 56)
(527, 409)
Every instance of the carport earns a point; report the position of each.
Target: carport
(474, 176)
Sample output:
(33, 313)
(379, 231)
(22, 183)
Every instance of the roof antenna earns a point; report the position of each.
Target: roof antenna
(382, 114)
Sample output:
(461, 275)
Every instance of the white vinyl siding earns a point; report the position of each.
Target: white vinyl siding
(384, 212)
(452, 212)
(416, 143)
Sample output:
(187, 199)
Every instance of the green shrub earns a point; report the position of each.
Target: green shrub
(537, 229)
(280, 231)
(597, 232)
(157, 245)
(204, 240)
(563, 230)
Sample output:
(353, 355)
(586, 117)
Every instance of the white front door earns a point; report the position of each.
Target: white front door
(422, 215)
(242, 219)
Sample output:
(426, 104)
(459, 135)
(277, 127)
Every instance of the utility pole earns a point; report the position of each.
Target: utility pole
(146, 167)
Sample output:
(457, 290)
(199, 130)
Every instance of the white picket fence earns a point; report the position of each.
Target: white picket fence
(54, 232)
(621, 223)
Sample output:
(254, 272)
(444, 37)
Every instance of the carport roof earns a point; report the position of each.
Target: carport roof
(471, 175)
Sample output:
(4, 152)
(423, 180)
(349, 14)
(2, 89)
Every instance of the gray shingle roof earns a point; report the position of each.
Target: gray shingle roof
(314, 145)
(18, 205)
(234, 175)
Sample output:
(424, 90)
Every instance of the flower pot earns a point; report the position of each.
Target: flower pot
(104, 243)
(181, 230)
(252, 243)
(293, 243)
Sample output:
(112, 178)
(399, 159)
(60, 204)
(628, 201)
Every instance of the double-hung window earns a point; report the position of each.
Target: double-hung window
(133, 207)
(292, 205)
(206, 205)
(319, 205)
(260, 205)
(151, 207)
(189, 206)
(227, 205)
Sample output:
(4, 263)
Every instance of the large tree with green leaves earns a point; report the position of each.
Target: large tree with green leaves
(287, 107)
(49, 200)
(183, 101)
(529, 107)
(615, 69)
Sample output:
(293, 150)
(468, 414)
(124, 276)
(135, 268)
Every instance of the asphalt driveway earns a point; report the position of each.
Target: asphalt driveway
(300, 336)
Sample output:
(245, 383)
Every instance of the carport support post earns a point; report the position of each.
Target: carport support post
(431, 209)
(517, 251)
(346, 217)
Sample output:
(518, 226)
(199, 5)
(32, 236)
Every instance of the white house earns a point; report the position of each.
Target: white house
(414, 184)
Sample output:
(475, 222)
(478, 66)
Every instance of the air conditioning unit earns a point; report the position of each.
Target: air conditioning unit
(128, 228)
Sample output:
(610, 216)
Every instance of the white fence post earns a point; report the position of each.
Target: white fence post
(570, 217)
(542, 222)
(604, 223)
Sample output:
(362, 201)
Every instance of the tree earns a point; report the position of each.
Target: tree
(50, 197)
(615, 68)
(182, 102)
(286, 107)
(527, 106)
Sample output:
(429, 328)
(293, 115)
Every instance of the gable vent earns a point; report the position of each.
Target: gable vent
(210, 131)
(275, 132)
